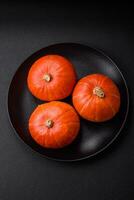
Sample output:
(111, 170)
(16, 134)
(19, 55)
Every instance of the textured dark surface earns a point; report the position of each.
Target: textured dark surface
(27, 27)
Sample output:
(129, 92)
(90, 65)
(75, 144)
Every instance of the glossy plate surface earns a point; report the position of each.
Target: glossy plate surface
(93, 137)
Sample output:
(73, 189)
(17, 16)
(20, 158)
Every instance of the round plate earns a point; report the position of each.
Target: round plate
(93, 137)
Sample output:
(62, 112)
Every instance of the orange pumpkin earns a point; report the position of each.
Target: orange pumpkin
(54, 124)
(51, 77)
(96, 98)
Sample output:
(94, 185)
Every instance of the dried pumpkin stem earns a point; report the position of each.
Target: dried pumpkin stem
(99, 92)
(49, 123)
(47, 77)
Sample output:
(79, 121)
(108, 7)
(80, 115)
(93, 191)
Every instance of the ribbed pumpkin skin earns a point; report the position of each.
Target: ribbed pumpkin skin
(92, 107)
(63, 78)
(65, 127)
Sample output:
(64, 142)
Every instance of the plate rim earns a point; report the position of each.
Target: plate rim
(84, 157)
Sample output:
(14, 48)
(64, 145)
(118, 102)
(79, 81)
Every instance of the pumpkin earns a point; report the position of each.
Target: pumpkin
(51, 77)
(54, 124)
(96, 98)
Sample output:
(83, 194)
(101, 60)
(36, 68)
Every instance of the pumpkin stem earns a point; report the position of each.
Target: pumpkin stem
(49, 123)
(99, 92)
(47, 77)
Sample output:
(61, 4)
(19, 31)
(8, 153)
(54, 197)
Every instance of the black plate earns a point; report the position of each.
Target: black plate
(93, 137)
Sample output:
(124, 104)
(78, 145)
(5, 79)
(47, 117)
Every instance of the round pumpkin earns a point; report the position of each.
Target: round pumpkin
(96, 98)
(54, 124)
(51, 77)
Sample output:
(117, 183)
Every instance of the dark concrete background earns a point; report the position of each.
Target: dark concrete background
(27, 27)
